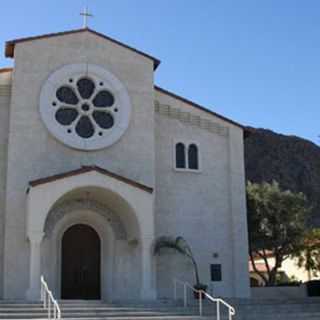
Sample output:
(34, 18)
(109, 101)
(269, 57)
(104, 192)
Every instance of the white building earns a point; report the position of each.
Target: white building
(96, 162)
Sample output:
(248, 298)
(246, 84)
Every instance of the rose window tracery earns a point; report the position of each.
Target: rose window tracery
(86, 110)
(84, 107)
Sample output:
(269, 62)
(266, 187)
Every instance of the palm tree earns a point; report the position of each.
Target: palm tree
(180, 245)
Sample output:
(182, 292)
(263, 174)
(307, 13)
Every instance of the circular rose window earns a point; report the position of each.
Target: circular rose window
(85, 106)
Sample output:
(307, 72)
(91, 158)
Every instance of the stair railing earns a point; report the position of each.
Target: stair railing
(201, 294)
(187, 286)
(49, 302)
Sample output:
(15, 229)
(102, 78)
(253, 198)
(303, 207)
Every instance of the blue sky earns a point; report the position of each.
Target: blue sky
(254, 61)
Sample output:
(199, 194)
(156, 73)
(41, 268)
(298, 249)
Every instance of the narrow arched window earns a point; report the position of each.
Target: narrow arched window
(193, 161)
(180, 156)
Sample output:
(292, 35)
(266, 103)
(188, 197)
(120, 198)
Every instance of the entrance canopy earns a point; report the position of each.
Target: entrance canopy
(126, 204)
(46, 193)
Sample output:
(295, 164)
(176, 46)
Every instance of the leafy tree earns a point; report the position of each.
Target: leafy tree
(309, 254)
(276, 223)
(180, 245)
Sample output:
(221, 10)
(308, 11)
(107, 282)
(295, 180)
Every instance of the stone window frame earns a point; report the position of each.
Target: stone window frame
(66, 134)
(177, 155)
(187, 144)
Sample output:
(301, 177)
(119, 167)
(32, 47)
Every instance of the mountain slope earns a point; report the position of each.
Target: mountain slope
(292, 161)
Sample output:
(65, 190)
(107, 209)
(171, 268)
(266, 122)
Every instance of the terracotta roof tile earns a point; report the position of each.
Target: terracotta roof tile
(86, 169)
(3, 70)
(9, 48)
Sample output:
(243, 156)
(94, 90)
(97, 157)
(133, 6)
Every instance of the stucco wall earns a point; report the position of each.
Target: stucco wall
(118, 258)
(126, 256)
(5, 83)
(34, 153)
(207, 208)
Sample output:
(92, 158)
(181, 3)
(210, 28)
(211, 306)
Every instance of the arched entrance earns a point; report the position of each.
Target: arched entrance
(121, 212)
(80, 263)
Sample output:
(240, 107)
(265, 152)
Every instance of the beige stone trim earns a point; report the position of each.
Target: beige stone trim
(57, 213)
(5, 90)
(190, 119)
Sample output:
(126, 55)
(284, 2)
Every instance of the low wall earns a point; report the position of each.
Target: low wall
(279, 292)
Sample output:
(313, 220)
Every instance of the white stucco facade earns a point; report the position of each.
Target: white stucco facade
(122, 182)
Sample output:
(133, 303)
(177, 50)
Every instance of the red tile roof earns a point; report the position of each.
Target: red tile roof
(86, 169)
(3, 70)
(9, 52)
(9, 48)
(261, 267)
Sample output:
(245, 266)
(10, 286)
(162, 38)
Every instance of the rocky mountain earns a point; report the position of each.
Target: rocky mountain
(292, 161)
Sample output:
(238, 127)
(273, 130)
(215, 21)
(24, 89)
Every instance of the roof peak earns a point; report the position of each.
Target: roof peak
(10, 45)
(87, 169)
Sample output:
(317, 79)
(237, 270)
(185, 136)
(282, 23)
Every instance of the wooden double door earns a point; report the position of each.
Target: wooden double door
(81, 263)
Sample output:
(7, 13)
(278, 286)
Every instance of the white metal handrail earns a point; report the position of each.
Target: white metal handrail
(186, 285)
(201, 293)
(49, 302)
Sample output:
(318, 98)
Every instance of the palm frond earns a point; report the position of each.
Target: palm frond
(167, 243)
(180, 245)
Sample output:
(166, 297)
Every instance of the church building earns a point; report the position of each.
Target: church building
(97, 162)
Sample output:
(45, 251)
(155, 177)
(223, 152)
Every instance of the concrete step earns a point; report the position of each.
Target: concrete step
(133, 318)
(97, 310)
(101, 317)
(300, 316)
(294, 309)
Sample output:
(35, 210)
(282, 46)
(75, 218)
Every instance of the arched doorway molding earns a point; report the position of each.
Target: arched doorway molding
(51, 249)
(59, 211)
(49, 193)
